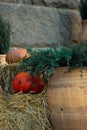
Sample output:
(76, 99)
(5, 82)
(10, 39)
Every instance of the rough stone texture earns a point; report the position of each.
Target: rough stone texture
(41, 26)
(33, 26)
(30, 2)
(73, 4)
(69, 26)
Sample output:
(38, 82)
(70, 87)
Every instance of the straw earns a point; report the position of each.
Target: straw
(21, 111)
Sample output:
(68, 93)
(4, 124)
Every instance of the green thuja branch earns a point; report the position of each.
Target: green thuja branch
(44, 61)
(4, 35)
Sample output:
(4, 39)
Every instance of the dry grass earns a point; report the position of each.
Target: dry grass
(21, 111)
(7, 73)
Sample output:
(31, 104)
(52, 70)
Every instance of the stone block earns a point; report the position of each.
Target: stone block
(34, 26)
(71, 4)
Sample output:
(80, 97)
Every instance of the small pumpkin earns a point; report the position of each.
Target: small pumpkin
(16, 55)
(37, 85)
(22, 82)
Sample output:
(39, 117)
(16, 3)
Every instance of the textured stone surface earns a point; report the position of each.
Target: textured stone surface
(69, 26)
(54, 3)
(40, 26)
(23, 1)
(30, 2)
(63, 3)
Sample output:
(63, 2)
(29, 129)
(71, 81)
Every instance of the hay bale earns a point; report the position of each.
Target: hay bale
(24, 112)
(21, 111)
(7, 73)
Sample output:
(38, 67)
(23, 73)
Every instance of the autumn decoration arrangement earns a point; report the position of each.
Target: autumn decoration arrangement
(25, 78)
(34, 68)
(23, 100)
(25, 81)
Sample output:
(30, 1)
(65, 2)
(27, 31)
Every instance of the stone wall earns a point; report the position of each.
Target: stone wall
(42, 23)
(73, 4)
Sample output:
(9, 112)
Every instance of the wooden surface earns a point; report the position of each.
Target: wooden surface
(67, 99)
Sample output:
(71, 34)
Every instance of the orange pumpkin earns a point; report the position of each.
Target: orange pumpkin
(22, 82)
(16, 55)
(37, 85)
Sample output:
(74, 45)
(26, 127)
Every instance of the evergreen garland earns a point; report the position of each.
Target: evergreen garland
(44, 62)
(4, 35)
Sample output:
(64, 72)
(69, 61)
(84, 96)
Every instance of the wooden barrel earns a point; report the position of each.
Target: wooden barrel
(67, 99)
